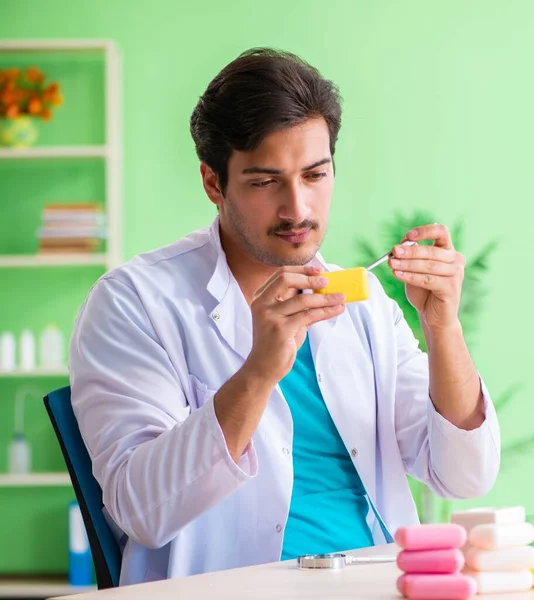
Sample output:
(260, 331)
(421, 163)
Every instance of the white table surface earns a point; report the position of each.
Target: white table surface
(279, 581)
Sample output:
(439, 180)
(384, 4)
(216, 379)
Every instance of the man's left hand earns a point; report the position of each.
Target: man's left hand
(433, 276)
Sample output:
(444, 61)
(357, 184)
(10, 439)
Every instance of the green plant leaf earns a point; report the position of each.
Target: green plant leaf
(457, 235)
(366, 252)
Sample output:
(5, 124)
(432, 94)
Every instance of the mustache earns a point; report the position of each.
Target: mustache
(289, 226)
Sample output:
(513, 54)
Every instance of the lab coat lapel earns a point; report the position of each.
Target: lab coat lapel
(233, 319)
(231, 315)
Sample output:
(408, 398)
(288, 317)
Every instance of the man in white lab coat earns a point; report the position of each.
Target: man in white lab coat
(232, 420)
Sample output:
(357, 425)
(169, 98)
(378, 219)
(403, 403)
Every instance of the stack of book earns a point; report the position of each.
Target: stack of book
(68, 228)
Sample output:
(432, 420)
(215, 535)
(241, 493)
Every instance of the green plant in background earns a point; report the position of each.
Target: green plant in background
(429, 506)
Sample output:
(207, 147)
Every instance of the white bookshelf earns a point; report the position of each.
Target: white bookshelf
(53, 152)
(109, 152)
(17, 261)
(57, 45)
(35, 479)
(20, 587)
(34, 373)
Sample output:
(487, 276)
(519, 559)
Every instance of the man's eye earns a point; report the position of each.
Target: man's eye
(262, 184)
(316, 176)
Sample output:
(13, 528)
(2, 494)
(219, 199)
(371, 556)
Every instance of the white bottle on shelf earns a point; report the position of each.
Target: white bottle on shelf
(51, 348)
(7, 351)
(27, 350)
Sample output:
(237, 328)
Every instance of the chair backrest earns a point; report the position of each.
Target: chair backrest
(104, 547)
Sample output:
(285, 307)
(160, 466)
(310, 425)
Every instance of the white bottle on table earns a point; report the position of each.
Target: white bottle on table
(7, 351)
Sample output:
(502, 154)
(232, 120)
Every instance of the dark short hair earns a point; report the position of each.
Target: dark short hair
(260, 92)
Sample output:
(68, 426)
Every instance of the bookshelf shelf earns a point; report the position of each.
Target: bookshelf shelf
(53, 152)
(35, 479)
(38, 587)
(53, 260)
(34, 373)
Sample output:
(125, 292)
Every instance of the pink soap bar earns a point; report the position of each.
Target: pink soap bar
(437, 587)
(431, 561)
(431, 537)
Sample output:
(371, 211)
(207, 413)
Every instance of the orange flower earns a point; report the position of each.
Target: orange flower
(34, 75)
(34, 106)
(12, 73)
(24, 92)
(12, 111)
(57, 100)
(8, 97)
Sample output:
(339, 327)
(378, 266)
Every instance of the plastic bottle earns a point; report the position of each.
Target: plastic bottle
(80, 560)
(7, 352)
(27, 351)
(19, 455)
(51, 348)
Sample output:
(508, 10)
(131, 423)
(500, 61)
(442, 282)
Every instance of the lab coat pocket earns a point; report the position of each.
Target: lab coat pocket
(198, 393)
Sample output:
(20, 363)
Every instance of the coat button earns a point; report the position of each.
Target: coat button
(279, 528)
(319, 378)
(354, 452)
(285, 450)
(216, 316)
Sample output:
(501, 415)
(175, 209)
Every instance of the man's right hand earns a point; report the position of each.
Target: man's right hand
(281, 317)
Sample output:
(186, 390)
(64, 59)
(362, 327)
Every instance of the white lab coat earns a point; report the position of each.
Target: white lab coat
(160, 335)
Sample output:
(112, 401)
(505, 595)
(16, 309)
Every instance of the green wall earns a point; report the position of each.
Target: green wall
(438, 115)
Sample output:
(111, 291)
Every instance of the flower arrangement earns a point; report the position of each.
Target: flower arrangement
(23, 92)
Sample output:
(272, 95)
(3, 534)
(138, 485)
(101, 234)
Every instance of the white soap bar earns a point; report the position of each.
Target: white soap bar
(500, 581)
(491, 537)
(483, 516)
(465, 548)
(503, 559)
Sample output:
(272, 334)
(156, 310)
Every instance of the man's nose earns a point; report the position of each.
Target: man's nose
(295, 205)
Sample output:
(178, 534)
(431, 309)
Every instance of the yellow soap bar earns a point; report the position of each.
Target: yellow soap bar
(354, 283)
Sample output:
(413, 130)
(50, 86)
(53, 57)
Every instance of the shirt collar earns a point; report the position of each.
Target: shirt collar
(220, 280)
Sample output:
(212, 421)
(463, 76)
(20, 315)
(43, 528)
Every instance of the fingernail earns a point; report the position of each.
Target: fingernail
(395, 262)
(414, 233)
(400, 251)
(340, 297)
(322, 281)
(400, 273)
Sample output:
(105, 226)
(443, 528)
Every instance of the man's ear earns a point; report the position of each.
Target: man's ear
(211, 184)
